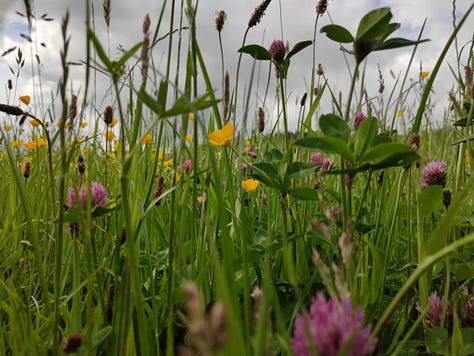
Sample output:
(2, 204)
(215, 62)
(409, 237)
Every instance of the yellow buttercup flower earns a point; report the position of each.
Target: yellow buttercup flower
(114, 122)
(40, 142)
(424, 74)
(25, 99)
(8, 127)
(109, 135)
(83, 124)
(16, 143)
(191, 116)
(247, 143)
(400, 113)
(250, 185)
(34, 122)
(189, 138)
(177, 177)
(30, 146)
(222, 137)
(168, 163)
(147, 139)
(58, 124)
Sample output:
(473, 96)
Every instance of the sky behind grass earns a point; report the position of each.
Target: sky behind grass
(292, 21)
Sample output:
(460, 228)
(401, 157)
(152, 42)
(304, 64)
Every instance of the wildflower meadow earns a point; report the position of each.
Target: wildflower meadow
(177, 214)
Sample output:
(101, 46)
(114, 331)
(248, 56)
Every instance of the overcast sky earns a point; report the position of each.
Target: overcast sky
(297, 20)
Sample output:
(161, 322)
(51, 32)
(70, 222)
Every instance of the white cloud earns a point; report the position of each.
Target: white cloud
(298, 18)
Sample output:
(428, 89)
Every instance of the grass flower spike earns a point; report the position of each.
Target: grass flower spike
(222, 137)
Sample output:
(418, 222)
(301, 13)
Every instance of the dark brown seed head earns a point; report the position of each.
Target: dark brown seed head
(146, 24)
(303, 99)
(72, 344)
(415, 141)
(27, 170)
(320, 70)
(10, 84)
(72, 111)
(220, 19)
(108, 115)
(380, 178)
(159, 190)
(447, 197)
(109, 303)
(321, 7)
(261, 120)
(81, 164)
(258, 13)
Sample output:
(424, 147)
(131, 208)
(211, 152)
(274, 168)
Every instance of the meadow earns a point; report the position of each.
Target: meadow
(186, 222)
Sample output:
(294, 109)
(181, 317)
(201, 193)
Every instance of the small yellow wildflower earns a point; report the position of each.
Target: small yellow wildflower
(114, 122)
(30, 146)
(113, 205)
(250, 185)
(222, 137)
(400, 113)
(16, 143)
(22, 260)
(109, 135)
(25, 99)
(112, 155)
(424, 74)
(34, 122)
(40, 142)
(189, 138)
(58, 124)
(247, 143)
(191, 116)
(116, 146)
(168, 163)
(8, 127)
(83, 124)
(177, 177)
(147, 139)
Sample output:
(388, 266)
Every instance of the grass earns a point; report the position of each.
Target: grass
(184, 257)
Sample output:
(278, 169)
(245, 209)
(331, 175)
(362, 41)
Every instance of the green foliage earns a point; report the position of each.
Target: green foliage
(366, 150)
(177, 212)
(372, 33)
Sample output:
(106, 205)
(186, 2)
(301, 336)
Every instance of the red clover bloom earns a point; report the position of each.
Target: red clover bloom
(187, 166)
(358, 119)
(332, 326)
(318, 158)
(278, 51)
(434, 173)
(99, 195)
(434, 315)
